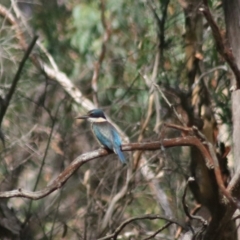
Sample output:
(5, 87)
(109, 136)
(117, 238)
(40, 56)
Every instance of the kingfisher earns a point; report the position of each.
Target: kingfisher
(105, 132)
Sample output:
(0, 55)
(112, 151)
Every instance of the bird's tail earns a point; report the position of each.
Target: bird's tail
(120, 154)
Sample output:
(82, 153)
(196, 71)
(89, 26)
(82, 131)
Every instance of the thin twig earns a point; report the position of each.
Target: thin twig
(51, 72)
(28, 215)
(161, 26)
(164, 97)
(13, 87)
(186, 209)
(137, 155)
(221, 42)
(148, 216)
(158, 231)
(160, 53)
(210, 158)
(97, 65)
(179, 117)
(115, 200)
(224, 68)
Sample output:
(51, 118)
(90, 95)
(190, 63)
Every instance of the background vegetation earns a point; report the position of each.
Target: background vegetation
(129, 58)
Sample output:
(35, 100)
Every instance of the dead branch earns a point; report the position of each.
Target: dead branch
(148, 216)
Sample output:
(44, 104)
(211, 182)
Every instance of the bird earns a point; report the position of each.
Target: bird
(105, 132)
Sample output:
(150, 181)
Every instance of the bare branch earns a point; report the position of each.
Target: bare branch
(5, 102)
(148, 216)
(210, 158)
(185, 206)
(82, 159)
(79, 161)
(115, 200)
(12, 89)
(221, 43)
(59, 181)
(158, 231)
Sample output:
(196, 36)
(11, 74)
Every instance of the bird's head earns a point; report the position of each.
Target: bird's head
(95, 115)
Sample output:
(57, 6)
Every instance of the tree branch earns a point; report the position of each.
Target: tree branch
(148, 216)
(221, 43)
(12, 89)
(115, 199)
(210, 156)
(186, 209)
(82, 159)
(158, 231)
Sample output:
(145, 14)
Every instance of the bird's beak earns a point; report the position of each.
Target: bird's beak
(82, 117)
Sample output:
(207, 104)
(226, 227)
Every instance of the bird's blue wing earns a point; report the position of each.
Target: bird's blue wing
(108, 136)
(103, 134)
(117, 146)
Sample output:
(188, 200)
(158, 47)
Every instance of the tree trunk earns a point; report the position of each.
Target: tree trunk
(232, 18)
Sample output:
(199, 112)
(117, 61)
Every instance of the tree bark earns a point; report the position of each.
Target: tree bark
(232, 19)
